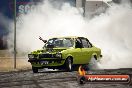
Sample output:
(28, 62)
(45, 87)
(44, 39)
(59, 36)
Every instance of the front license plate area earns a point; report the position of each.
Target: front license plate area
(44, 62)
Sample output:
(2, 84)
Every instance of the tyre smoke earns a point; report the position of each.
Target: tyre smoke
(111, 31)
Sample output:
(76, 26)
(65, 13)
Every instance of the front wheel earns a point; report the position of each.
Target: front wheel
(34, 69)
(68, 64)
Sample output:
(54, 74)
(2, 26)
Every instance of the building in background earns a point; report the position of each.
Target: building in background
(93, 7)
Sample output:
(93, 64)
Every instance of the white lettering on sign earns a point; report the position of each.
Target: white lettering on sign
(21, 9)
(24, 9)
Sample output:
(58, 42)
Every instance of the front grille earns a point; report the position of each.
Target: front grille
(47, 56)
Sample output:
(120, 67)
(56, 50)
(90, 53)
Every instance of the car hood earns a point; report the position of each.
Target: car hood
(49, 50)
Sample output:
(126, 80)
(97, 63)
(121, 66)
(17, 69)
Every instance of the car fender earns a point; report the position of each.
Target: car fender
(69, 55)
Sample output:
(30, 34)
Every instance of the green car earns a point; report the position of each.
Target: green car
(63, 53)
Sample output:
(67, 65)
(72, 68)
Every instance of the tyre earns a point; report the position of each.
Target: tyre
(68, 64)
(34, 69)
(82, 80)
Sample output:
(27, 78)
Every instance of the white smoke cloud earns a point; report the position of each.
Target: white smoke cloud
(114, 33)
(111, 31)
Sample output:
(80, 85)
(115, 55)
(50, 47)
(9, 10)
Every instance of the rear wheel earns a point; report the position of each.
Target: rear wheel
(68, 64)
(34, 69)
(82, 80)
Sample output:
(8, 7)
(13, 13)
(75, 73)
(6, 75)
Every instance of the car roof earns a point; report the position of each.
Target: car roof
(69, 37)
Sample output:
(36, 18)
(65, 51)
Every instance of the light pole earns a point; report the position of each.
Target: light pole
(14, 34)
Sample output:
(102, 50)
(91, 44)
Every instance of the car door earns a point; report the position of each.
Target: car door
(77, 55)
(86, 50)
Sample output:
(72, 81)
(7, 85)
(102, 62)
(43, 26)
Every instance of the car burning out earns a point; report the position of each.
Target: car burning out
(63, 53)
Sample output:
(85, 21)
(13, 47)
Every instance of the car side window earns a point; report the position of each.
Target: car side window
(86, 43)
(89, 45)
(78, 43)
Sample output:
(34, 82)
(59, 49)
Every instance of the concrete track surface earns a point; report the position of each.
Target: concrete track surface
(54, 79)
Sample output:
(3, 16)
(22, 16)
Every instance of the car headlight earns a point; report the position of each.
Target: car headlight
(30, 56)
(58, 55)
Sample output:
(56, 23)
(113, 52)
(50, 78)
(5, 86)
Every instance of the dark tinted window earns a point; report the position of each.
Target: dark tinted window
(78, 43)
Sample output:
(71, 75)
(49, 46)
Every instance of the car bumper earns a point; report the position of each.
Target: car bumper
(49, 62)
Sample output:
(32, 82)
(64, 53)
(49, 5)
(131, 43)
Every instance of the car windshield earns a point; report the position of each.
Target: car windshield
(60, 42)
